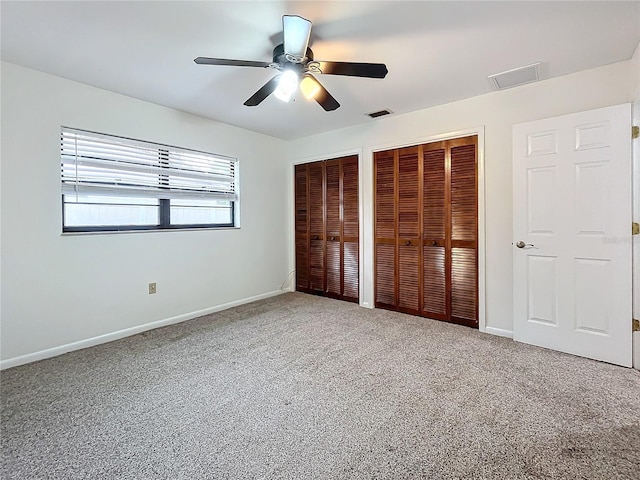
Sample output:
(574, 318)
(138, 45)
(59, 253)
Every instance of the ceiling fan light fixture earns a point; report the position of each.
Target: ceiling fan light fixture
(287, 85)
(295, 61)
(309, 87)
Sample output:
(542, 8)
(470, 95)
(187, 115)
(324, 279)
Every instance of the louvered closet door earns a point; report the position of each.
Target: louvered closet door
(426, 230)
(385, 229)
(434, 246)
(464, 231)
(327, 228)
(408, 238)
(350, 229)
(316, 227)
(301, 228)
(333, 227)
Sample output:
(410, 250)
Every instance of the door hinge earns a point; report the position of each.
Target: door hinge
(635, 131)
(635, 228)
(635, 325)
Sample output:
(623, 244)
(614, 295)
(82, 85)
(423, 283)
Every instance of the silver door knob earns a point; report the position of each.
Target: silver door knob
(521, 244)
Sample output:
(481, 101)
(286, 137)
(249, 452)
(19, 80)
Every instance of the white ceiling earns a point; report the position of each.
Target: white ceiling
(436, 52)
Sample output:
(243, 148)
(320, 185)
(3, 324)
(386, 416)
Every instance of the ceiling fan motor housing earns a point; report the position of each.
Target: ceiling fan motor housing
(282, 58)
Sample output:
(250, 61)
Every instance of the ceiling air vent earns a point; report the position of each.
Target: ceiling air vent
(380, 113)
(515, 77)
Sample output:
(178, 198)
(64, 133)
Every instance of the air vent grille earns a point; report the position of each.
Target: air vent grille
(379, 113)
(516, 77)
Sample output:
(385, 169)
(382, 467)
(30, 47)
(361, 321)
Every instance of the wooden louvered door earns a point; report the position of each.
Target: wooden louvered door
(385, 277)
(435, 261)
(350, 230)
(426, 230)
(464, 231)
(302, 227)
(408, 230)
(333, 229)
(327, 228)
(316, 227)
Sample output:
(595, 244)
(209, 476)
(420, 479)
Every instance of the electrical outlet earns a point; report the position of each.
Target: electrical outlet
(152, 288)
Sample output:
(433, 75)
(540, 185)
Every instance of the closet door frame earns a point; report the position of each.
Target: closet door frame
(368, 286)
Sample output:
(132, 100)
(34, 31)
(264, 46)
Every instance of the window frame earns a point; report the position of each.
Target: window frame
(163, 215)
(164, 204)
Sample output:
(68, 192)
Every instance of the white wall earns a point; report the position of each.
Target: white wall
(59, 289)
(497, 112)
(635, 74)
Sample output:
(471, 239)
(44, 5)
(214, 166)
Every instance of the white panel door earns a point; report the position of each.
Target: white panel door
(572, 233)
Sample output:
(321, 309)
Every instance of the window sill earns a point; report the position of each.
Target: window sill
(163, 230)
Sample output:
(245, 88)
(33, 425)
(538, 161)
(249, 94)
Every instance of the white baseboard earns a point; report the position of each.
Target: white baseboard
(501, 332)
(127, 332)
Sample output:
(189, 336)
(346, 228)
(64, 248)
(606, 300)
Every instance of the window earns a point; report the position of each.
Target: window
(111, 183)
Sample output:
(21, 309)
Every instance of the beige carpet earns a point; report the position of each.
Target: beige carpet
(301, 387)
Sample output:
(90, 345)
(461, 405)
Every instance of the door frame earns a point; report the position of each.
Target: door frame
(635, 239)
(367, 239)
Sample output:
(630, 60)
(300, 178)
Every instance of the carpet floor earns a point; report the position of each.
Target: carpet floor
(301, 387)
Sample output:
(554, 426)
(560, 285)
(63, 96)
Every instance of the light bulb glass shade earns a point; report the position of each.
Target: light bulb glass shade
(287, 85)
(310, 87)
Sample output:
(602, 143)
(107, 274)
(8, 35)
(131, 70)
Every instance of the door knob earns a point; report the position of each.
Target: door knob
(521, 244)
(408, 242)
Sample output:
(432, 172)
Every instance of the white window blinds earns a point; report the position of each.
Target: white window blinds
(98, 164)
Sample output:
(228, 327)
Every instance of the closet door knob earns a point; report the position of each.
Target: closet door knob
(434, 243)
(408, 242)
(315, 237)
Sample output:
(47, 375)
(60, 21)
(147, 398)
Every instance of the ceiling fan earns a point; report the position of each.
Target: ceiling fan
(294, 60)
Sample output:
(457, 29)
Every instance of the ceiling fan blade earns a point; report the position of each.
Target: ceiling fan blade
(321, 95)
(233, 63)
(296, 31)
(266, 90)
(354, 69)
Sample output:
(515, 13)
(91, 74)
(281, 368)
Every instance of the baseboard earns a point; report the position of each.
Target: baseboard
(127, 332)
(501, 332)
